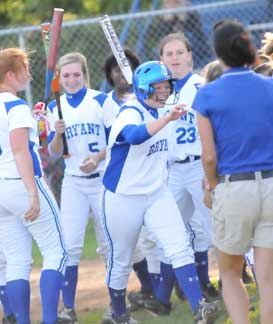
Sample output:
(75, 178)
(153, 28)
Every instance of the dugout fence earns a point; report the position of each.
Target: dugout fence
(140, 31)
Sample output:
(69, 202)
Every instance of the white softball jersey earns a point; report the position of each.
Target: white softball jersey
(15, 113)
(135, 169)
(85, 128)
(185, 139)
(111, 108)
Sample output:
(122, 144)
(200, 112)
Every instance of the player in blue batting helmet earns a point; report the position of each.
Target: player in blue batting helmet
(149, 73)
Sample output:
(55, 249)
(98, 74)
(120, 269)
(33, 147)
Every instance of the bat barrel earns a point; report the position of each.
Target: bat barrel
(116, 48)
(55, 38)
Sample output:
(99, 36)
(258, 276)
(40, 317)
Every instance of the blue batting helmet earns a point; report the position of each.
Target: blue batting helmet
(147, 74)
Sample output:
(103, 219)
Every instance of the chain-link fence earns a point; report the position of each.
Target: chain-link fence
(140, 31)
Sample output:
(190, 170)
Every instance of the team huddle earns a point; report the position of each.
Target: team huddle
(157, 166)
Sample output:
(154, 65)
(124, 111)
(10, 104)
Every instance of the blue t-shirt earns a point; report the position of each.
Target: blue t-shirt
(239, 106)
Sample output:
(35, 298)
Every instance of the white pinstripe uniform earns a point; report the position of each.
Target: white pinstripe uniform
(185, 179)
(85, 134)
(15, 232)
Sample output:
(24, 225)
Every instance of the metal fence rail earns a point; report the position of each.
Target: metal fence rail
(143, 32)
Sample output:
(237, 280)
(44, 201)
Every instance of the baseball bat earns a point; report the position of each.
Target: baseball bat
(45, 30)
(53, 49)
(116, 48)
(56, 90)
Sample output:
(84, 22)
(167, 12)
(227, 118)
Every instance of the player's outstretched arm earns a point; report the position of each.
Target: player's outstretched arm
(19, 139)
(156, 125)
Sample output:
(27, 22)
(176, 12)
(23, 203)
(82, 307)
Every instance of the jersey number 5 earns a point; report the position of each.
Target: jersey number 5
(186, 135)
(93, 147)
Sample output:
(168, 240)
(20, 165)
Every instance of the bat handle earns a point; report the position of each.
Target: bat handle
(60, 114)
(65, 147)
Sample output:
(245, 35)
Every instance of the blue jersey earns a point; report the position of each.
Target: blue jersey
(239, 106)
(135, 169)
(15, 113)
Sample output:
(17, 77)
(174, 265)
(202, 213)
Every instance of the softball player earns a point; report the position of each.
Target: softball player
(83, 125)
(27, 207)
(121, 89)
(135, 193)
(145, 247)
(185, 167)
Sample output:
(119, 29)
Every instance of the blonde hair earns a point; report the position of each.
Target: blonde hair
(75, 57)
(171, 37)
(265, 69)
(212, 71)
(12, 59)
(267, 48)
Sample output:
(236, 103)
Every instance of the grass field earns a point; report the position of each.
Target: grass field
(180, 314)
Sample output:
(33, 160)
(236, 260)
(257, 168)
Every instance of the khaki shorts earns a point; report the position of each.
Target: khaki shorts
(242, 215)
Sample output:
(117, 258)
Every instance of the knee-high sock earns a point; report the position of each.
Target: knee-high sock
(69, 286)
(202, 266)
(189, 283)
(4, 301)
(51, 282)
(19, 298)
(166, 283)
(118, 301)
(141, 270)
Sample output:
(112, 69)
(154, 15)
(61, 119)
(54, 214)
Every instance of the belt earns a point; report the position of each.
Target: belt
(246, 176)
(189, 158)
(90, 176)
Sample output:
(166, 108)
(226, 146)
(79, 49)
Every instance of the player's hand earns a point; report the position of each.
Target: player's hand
(208, 198)
(90, 163)
(34, 208)
(60, 126)
(177, 111)
(207, 193)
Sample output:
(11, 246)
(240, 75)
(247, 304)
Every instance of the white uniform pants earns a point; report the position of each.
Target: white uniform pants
(123, 217)
(2, 268)
(16, 233)
(146, 248)
(80, 200)
(185, 183)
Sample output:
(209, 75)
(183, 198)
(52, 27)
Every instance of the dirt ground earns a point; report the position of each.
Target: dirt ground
(91, 292)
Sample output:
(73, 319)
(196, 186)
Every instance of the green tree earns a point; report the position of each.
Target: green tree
(32, 12)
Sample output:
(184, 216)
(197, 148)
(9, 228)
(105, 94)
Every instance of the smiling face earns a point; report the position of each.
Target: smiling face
(72, 77)
(177, 58)
(162, 91)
